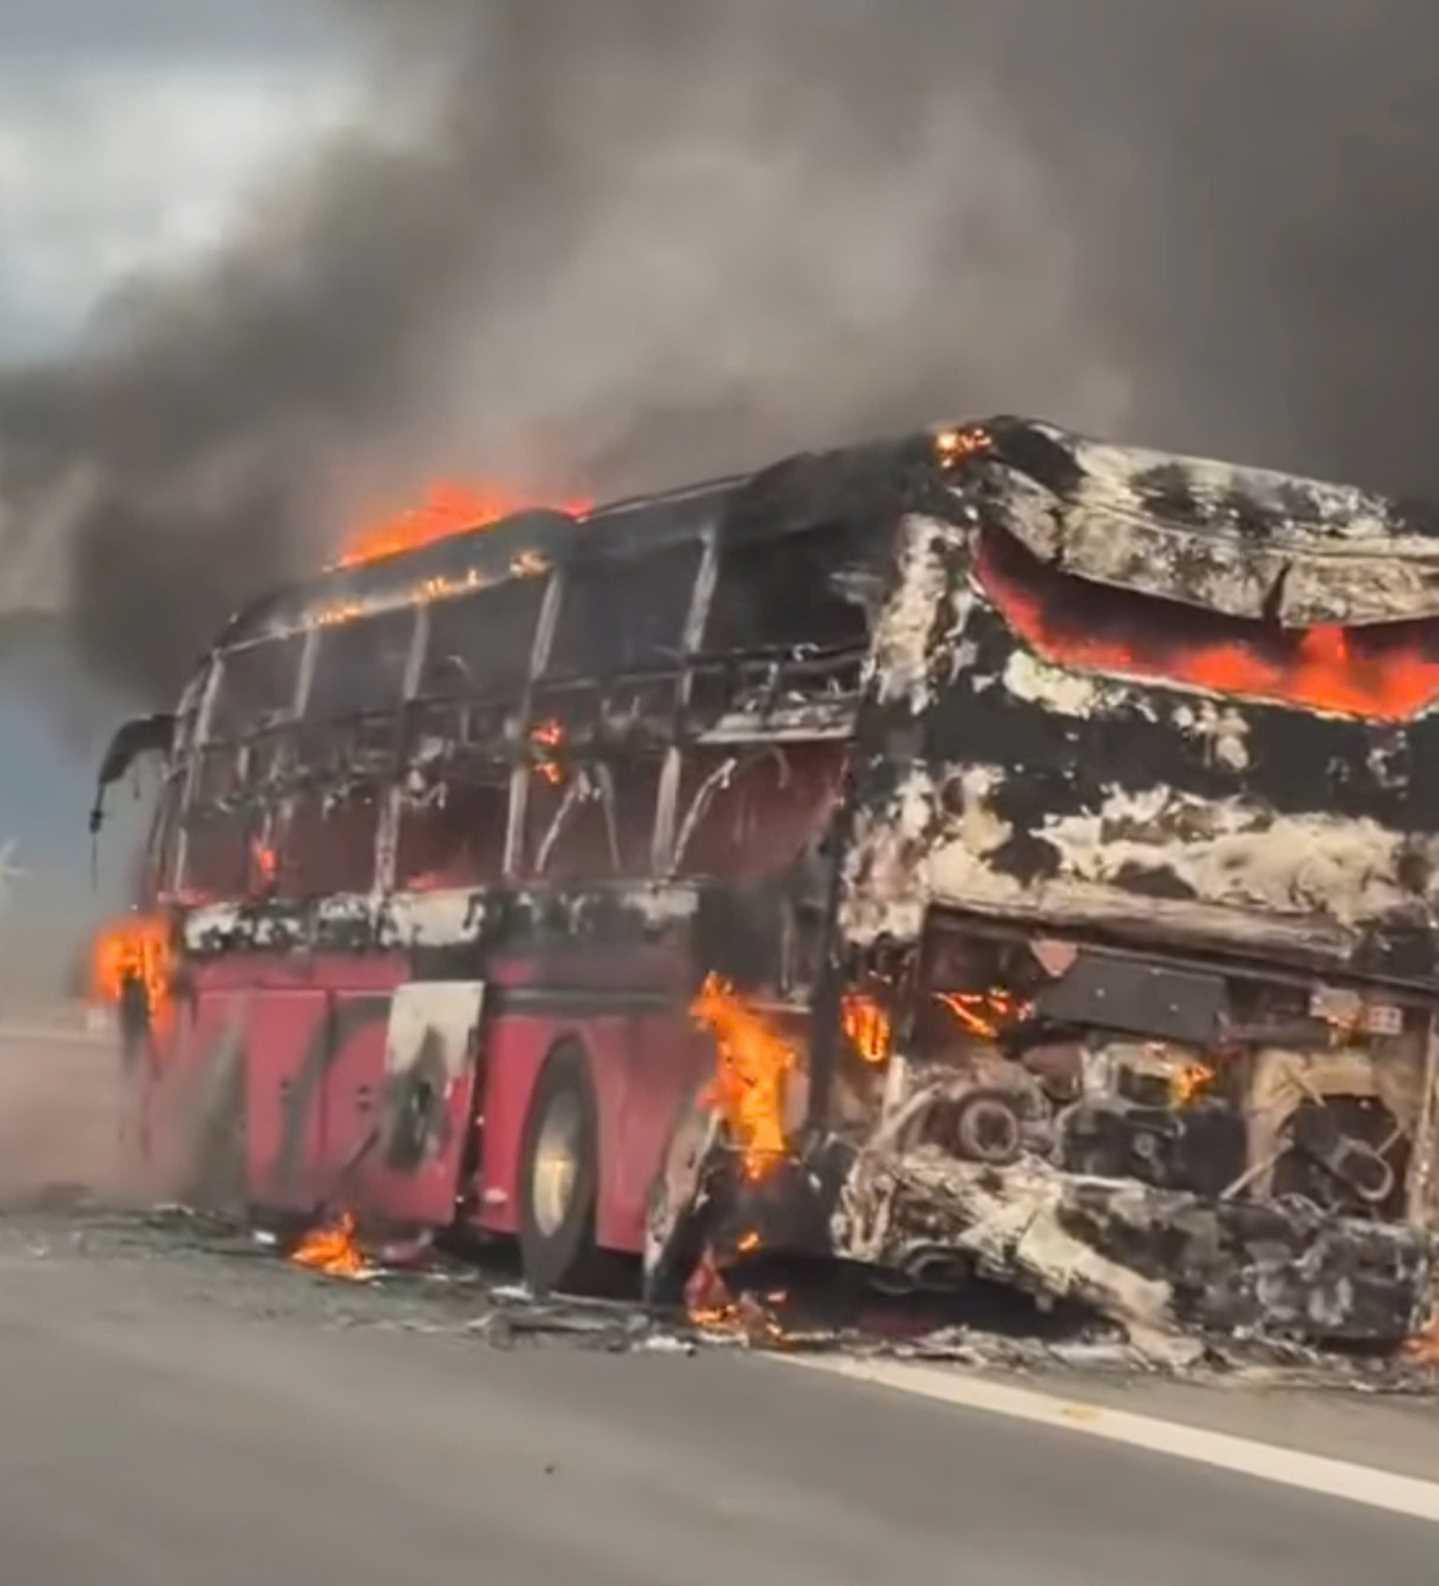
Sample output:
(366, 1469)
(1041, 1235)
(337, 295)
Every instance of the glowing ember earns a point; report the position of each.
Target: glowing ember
(546, 735)
(984, 1013)
(1388, 671)
(1190, 1082)
(135, 950)
(753, 1066)
(954, 446)
(332, 1250)
(448, 509)
(267, 864)
(748, 1243)
(712, 1307)
(1423, 1348)
(867, 1023)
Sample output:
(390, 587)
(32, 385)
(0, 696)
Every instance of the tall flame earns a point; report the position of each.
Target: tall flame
(867, 1023)
(754, 1062)
(1389, 671)
(135, 950)
(447, 509)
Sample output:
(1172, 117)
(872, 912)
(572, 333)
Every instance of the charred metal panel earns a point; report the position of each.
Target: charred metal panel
(418, 922)
(1155, 1260)
(430, 1055)
(1121, 994)
(1246, 541)
(994, 780)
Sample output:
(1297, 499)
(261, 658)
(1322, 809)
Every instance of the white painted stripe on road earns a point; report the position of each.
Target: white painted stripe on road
(41, 1032)
(1335, 1478)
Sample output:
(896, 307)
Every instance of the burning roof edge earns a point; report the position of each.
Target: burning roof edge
(1249, 542)
(520, 545)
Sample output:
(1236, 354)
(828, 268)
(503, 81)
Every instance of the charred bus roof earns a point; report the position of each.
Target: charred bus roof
(1242, 542)
(1245, 542)
(855, 484)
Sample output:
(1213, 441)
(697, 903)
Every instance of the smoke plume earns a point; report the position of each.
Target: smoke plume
(596, 248)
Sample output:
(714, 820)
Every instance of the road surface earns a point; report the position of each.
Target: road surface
(169, 1418)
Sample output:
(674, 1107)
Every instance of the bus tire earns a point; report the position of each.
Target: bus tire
(560, 1178)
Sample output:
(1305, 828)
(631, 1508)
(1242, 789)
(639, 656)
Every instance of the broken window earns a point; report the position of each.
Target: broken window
(360, 668)
(592, 820)
(746, 812)
(570, 826)
(453, 824)
(636, 788)
(480, 645)
(815, 588)
(328, 844)
(164, 836)
(217, 854)
(619, 616)
(257, 687)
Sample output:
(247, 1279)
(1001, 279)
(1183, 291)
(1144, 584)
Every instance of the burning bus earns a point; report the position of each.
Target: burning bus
(992, 852)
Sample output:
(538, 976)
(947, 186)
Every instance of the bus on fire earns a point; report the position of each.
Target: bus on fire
(992, 851)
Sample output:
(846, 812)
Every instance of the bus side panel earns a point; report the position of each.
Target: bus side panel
(188, 1087)
(644, 1068)
(288, 1051)
(647, 1068)
(426, 1063)
(353, 1095)
(516, 1045)
(668, 1063)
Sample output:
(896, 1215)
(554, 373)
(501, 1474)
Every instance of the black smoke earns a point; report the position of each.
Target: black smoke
(620, 245)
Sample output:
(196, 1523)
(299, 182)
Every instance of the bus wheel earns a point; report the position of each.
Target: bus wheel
(559, 1178)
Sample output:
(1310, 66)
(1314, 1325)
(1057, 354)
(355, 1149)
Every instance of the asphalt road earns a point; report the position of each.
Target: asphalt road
(165, 1422)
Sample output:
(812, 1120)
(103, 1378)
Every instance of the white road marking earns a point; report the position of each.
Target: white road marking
(20, 1035)
(1335, 1478)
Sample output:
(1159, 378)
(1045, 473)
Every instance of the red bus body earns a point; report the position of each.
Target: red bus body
(1068, 810)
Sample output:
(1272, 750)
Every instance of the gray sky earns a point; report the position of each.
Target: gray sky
(129, 129)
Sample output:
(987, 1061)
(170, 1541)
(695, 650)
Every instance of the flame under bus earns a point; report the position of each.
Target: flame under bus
(990, 830)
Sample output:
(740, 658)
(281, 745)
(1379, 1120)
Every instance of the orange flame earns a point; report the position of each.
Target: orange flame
(267, 863)
(549, 734)
(866, 1021)
(712, 1307)
(754, 1062)
(137, 948)
(984, 1013)
(447, 509)
(1388, 671)
(332, 1250)
(1423, 1347)
(1190, 1082)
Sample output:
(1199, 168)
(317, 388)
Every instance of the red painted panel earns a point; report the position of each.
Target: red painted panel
(644, 1068)
(288, 1050)
(515, 1047)
(353, 1092)
(301, 971)
(187, 1094)
(665, 1060)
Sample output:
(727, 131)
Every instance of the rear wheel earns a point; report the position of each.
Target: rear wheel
(559, 1179)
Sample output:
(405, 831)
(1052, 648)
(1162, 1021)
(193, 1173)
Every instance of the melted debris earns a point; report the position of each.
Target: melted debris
(819, 1306)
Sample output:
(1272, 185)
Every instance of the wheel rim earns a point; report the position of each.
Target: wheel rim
(557, 1164)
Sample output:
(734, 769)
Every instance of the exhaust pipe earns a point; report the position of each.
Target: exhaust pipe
(938, 1271)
